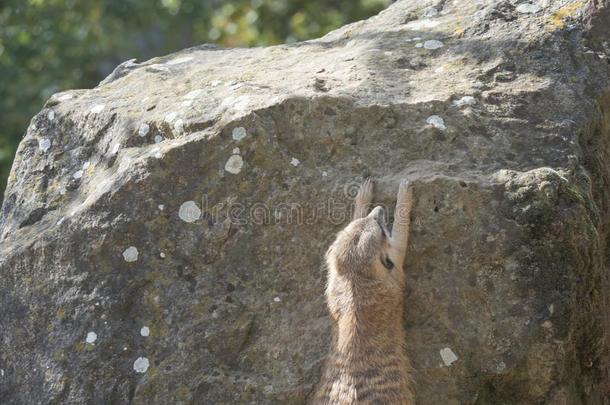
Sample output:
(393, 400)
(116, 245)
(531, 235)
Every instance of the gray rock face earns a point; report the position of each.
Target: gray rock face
(162, 234)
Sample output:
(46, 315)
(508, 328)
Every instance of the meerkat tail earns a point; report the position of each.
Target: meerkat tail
(363, 199)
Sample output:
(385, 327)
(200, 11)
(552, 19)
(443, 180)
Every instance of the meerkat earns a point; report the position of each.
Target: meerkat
(368, 363)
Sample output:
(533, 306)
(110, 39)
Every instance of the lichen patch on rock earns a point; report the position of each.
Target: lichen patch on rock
(44, 144)
(436, 122)
(130, 254)
(234, 164)
(189, 211)
(448, 356)
(239, 133)
(143, 129)
(91, 337)
(141, 365)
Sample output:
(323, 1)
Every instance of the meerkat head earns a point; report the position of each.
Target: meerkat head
(362, 248)
(362, 267)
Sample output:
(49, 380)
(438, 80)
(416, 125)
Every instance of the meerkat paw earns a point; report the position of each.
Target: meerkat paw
(363, 199)
(404, 199)
(402, 214)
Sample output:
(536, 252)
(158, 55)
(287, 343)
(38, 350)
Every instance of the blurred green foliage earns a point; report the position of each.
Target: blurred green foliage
(51, 45)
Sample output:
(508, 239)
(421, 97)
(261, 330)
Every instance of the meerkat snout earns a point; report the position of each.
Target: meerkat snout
(378, 213)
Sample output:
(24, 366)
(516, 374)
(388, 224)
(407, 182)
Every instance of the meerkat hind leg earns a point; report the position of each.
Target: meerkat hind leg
(402, 219)
(363, 199)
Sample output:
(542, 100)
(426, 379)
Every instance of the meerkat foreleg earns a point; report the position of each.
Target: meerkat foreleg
(402, 220)
(363, 199)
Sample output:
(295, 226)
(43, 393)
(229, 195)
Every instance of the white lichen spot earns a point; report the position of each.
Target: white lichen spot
(144, 129)
(324, 173)
(51, 115)
(239, 103)
(115, 149)
(277, 299)
(145, 331)
(295, 162)
(1, 372)
(86, 165)
(528, 8)
(236, 151)
(178, 61)
(141, 364)
(161, 207)
(189, 212)
(77, 175)
(551, 309)
(162, 255)
(436, 122)
(234, 164)
(158, 155)
(98, 108)
(419, 25)
(419, 45)
(158, 139)
(239, 133)
(179, 126)
(193, 94)
(65, 97)
(448, 356)
(431, 12)
(44, 144)
(159, 67)
(465, 101)
(130, 254)
(547, 324)
(91, 337)
(169, 118)
(433, 44)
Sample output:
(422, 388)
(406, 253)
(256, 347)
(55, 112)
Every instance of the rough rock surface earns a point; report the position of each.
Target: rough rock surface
(162, 234)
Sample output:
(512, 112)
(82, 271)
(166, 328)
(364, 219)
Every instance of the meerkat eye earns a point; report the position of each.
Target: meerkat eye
(387, 263)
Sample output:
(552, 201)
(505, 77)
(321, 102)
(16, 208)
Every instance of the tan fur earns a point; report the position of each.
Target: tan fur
(367, 363)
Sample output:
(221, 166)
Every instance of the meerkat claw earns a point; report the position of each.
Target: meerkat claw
(363, 199)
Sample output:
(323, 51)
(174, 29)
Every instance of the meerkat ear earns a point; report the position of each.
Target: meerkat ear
(363, 199)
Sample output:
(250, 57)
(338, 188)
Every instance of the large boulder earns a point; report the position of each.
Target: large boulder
(162, 234)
